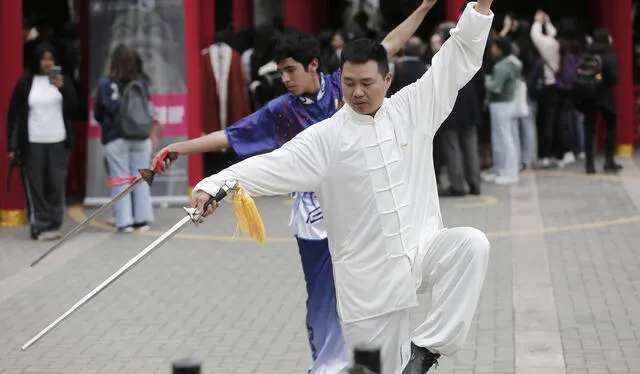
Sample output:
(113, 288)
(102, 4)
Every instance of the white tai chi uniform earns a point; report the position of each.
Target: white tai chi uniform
(375, 180)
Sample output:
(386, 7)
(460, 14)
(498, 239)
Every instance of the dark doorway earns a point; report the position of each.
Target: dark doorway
(223, 13)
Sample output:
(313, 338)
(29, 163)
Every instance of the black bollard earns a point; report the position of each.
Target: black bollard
(366, 360)
(186, 366)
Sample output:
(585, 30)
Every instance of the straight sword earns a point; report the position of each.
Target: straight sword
(191, 217)
(146, 175)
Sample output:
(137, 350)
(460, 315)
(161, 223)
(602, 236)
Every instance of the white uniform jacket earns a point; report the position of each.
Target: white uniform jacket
(374, 177)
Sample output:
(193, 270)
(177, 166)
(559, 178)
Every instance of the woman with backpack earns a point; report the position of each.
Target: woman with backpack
(122, 108)
(604, 102)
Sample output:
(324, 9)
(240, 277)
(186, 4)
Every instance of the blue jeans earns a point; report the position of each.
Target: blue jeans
(124, 158)
(504, 139)
(578, 131)
(328, 348)
(527, 139)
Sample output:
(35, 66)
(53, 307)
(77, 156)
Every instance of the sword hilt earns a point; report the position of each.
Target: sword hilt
(222, 193)
(148, 174)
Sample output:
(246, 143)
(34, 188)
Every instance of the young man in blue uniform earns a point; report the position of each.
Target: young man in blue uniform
(312, 97)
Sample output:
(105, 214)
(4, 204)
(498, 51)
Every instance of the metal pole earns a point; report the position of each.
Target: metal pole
(187, 366)
(366, 360)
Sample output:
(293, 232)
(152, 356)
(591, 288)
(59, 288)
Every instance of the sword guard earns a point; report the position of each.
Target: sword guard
(148, 174)
(191, 212)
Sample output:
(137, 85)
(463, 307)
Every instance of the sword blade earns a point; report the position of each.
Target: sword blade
(129, 265)
(84, 223)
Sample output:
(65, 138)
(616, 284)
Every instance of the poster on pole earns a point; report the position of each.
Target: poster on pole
(155, 30)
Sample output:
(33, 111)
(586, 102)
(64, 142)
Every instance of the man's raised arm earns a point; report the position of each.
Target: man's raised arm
(396, 39)
(299, 165)
(429, 101)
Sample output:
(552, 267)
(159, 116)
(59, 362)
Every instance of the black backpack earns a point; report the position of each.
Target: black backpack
(588, 80)
(134, 117)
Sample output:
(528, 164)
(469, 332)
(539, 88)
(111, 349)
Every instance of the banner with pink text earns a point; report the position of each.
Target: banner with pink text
(154, 29)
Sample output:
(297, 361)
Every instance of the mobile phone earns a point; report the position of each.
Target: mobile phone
(56, 71)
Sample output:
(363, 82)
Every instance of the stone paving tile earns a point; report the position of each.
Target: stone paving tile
(239, 307)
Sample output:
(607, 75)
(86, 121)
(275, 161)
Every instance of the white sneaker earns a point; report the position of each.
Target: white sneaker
(125, 230)
(581, 156)
(488, 176)
(49, 235)
(544, 163)
(569, 158)
(502, 180)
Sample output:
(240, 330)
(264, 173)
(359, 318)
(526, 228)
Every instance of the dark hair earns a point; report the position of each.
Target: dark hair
(123, 64)
(299, 46)
(570, 37)
(601, 42)
(413, 49)
(341, 33)
(363, 50)
(140, 67)
(41, 49)
(504, 44)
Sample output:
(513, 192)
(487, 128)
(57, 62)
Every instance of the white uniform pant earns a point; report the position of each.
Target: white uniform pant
(453, 268)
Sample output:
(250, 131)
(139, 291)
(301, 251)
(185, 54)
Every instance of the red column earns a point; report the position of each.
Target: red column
(321, 13)
(193, 45)
(298, 14)
(453, 9)
(77, 174)
(621, 30)
(207, 25)
(12, 204)
(242, 14)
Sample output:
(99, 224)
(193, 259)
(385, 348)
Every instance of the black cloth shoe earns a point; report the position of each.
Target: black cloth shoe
(612, 167)
(474, 189)
(421, 360)
(450, 192)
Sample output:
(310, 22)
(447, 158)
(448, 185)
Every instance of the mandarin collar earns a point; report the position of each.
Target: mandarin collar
(365, 119)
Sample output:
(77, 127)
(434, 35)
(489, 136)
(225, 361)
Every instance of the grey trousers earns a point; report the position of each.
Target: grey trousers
(460, 151)
(45, 179)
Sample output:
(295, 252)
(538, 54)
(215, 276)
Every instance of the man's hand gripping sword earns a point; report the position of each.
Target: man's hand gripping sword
(192, 217)
(146, 175)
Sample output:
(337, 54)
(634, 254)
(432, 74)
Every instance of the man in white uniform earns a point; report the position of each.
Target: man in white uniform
(371, 166)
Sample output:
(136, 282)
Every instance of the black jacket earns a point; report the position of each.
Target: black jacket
(18, 116)
(610, 78)
(407, 71)
(467, 111)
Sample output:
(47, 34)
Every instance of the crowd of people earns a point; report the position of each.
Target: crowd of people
(520, 112)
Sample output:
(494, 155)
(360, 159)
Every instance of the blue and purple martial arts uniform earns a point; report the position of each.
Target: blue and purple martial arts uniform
(263, 131)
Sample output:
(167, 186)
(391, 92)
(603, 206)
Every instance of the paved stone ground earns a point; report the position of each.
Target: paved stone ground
(562, 301)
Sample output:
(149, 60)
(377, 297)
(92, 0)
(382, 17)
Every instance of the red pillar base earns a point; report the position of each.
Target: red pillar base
(621, 29)
(12, 203)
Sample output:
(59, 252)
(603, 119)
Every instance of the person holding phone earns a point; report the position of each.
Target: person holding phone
(40, 122)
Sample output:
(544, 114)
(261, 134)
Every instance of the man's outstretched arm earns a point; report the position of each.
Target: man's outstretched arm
(396, 39)
(299, 165)
(427, 102)
(250, 135)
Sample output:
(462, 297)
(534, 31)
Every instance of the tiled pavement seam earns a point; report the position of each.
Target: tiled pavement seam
(537, 341)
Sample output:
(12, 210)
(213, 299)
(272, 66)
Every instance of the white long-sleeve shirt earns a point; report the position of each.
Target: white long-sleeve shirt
(374, 177)
(549, 49)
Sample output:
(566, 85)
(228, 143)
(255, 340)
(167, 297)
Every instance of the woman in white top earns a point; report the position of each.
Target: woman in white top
(40, 122)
